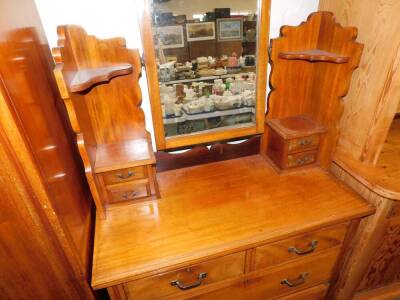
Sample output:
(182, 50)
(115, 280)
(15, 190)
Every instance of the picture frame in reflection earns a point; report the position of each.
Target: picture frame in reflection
(201, 31)
(169, 37)
(229, 29)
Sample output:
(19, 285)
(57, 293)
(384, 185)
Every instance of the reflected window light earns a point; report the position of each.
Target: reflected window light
(59, 175)
(199, 16)
(49, 147)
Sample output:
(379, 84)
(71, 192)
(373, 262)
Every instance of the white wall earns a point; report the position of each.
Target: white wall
(106, 18)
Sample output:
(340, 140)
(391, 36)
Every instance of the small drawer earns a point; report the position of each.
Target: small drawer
(185, 279)
(304, 143)
(297, 247)
(301, 159)
(298, 275)
(124, 175)
(128, 192)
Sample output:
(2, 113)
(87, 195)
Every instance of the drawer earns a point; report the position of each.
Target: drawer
(303, 144)
(309, 278)
(128, 192)
(301, 159)
(124, 175)
(314, 293)
(291, 277)
(299, 246)
(185, 279)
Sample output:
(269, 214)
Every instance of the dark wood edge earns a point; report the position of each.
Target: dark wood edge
(201, 154)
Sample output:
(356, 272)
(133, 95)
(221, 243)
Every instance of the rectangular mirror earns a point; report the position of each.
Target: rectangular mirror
(205, 59)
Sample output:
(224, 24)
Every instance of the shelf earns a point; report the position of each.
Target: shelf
(202, 78)
(125, 154)
(206, 115)
(315, 55)
(296, 126)
(86, 78)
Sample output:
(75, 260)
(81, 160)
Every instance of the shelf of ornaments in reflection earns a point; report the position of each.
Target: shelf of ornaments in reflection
(203, 98)
(206, 115)
(206, 78)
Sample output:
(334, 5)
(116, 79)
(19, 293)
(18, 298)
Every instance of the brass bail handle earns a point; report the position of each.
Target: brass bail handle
(184, 286)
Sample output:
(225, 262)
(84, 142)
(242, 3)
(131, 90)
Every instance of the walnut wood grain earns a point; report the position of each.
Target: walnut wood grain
(313, 88)
(86, 78)
(197, 219)
(315, 55)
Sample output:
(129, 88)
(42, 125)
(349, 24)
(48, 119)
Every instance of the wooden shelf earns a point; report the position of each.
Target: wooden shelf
(296, 126)
(86, 78)
(126, 154)
(315, 55)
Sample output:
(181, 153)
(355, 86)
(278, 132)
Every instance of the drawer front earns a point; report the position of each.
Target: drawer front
(314, 293)
(301, 159)
(238, 292)
(128, 192)
(186, 279)
(299, 246)
(309, 277)
(289, 278)
(304, 143)
(124, 175)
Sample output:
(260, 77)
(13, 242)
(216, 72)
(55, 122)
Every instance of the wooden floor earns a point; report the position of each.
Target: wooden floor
(215, 209)
(384, 178)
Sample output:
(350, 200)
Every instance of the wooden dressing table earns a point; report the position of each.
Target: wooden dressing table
(239, 222)
(235, 229)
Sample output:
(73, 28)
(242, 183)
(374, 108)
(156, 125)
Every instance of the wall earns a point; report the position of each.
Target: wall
(105, 18)
(190, 7)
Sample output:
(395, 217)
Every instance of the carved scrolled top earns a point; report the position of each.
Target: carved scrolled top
(312, 64)
(104, 75)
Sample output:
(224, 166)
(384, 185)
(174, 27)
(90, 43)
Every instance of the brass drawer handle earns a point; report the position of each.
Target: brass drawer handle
(305, 142)
(184, 286)
(125, 176)
(129, 195)
(299, 281)
(312, 247)
(303, 160)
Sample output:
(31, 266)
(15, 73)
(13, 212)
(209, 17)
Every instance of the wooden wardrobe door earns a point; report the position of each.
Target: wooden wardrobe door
(45, 211)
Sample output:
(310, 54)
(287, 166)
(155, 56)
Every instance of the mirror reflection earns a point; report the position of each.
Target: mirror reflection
(206, 61)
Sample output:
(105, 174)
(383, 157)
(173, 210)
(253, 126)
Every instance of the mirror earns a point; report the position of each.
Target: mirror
(206, 62)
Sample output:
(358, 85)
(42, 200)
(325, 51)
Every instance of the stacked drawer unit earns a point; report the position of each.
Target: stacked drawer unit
(294, 141)
(299, 267)
(128, 184)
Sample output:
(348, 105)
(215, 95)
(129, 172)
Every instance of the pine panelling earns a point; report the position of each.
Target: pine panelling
(374, 95)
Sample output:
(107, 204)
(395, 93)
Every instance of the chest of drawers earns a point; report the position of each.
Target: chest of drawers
(257, 239)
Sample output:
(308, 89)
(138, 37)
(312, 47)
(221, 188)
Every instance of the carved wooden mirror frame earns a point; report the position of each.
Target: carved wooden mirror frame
(163, 142)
